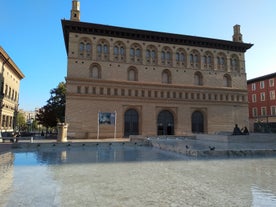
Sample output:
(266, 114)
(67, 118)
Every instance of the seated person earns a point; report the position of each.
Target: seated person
(237, 130)
(245, 131)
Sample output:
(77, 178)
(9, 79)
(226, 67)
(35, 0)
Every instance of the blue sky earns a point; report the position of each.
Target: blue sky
(31, 32)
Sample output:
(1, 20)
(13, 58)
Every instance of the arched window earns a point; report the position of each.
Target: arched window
(132, 74)
(85, 48)
(194, 59)
(234, 63)
(198, 79)
(95, 71)
(227, 81)
(221, 61)
(135, 53)
(165, 123)
(103, 50)
(119, 51)
(180, 57)
(166, 56)
(208, 61)
(151, 55)
(166, 76)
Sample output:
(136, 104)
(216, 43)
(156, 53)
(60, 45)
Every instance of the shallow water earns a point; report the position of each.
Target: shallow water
(133, 176)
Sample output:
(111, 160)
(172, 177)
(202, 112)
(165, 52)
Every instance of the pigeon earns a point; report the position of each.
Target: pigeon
(212, 148)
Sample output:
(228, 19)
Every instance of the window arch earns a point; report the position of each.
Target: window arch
(166, 56)
(198, 78)
(119, 51)
(103, 50)
(180, 57)
(221, 61)
(95, 71)
(208, 60)
(227, 80)
(151, 55)
(194, 59)
(85, 48)
(132, 74)
(135, 53)
(166, 76)
(234, 63)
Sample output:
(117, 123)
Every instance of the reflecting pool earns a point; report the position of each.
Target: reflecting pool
(132, 176)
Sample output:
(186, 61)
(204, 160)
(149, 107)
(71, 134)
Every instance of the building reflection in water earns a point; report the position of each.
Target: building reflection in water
(6, 176)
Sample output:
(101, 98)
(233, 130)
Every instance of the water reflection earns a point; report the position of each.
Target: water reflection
(103, 154)
(137, 176)
(262, 197)
(6, 176)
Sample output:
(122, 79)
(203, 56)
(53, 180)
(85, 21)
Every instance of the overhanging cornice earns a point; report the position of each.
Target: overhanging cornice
(151, 36)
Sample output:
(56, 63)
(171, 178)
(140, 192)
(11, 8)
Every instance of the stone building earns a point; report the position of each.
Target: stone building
(10, 77)
(154, 83)
(262, 103)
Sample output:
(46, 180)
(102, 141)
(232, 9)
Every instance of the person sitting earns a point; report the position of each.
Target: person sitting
(245, 131)
(237, 130)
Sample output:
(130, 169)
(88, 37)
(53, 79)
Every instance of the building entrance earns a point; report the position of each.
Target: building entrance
(165, 123)
(131, 123)
(197, 122)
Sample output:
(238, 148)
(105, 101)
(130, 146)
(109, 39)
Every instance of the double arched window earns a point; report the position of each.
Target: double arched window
(85, 48)
(135, 53)
(221, 61)
(180, 57)
(119, 51)
(166, 56)
(103, 50)
(195, 59)
(151, 55)
(234, 63)
(208, 60)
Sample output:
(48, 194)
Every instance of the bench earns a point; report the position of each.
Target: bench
(16, 139)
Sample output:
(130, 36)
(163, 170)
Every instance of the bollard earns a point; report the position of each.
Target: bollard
(62, 132)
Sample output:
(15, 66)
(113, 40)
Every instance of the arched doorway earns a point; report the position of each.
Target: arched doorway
(131, 123)
(197, 122)
(165, 123)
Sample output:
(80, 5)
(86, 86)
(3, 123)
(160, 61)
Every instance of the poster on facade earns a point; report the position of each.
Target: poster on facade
(107, 118)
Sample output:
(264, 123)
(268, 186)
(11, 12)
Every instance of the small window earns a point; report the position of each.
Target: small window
(273, 110)
(272, 95)
(263, 111)
(262, 84)
(262, 96)
(254, 112)
(271, 82)
(254, 99)
(253, 86)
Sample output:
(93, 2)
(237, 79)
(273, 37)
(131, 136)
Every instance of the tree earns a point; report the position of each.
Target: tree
(21, 122)
(54, 111)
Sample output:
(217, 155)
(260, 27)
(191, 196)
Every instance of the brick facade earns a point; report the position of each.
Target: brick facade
(262, 100)
(157, 83)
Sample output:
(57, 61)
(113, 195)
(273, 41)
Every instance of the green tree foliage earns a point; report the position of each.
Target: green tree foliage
(21, 122)
(54, 111)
